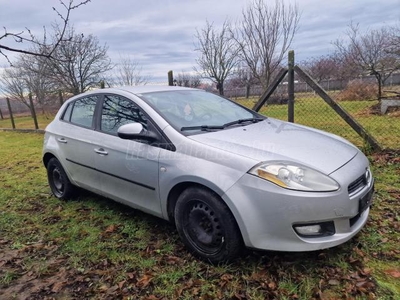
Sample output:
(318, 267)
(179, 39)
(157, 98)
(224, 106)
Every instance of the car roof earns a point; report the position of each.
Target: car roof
(147, 89)
(136, 90)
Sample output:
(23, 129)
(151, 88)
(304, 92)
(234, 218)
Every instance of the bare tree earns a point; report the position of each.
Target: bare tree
(265, 35)
(370, 51)
(35, 72)
(14, 84)
(26, 36)
(394, 43)
(28, 76)
(188, 80)
(218, 53)
(129, 72)
(242, 77)
(321, 68)
(79, 64)
(345, 69)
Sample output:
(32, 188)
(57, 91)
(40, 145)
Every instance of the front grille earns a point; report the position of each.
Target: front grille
(358, 184)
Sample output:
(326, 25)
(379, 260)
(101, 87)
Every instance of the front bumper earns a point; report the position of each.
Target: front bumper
(266, 213)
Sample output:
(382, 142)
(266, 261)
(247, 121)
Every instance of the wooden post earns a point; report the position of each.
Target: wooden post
(339, 110)
(60, 97)
(291, 86)
(270, 89)
(33, 112)
(11, 114)
(170, 78)
(1, 114)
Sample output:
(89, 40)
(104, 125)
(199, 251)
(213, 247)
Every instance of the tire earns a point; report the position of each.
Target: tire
(59, 183)
(207, 226)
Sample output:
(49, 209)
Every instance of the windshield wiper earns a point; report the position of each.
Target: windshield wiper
(202, 127)
(220, 127)
(240, 121)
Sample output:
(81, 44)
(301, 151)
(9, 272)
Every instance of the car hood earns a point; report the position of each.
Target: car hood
(278, 140)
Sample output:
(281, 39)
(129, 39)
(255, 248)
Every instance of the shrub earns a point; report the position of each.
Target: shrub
(358, 90)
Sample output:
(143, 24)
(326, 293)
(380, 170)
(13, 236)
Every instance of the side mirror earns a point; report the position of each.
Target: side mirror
(134, 131)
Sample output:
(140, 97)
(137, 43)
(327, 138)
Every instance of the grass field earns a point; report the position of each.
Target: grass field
(26, 122)
(94, 248)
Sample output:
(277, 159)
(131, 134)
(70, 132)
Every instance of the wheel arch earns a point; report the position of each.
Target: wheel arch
(49, 155)
(46, 158)
(218, 210)
(175, 192)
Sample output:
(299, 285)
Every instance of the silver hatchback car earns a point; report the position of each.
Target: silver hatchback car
(225, 175)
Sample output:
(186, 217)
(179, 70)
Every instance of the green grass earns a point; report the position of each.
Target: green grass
(92, 247)
(26, 122)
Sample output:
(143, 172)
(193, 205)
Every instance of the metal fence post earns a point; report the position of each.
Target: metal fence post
(11, 114)
(291, 86)
(33, 112)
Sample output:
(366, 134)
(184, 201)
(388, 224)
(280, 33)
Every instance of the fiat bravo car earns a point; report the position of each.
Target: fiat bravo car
(227, 176)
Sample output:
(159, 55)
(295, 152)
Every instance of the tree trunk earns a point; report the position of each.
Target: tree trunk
(220, 88)
(247, 91)
(379, 79)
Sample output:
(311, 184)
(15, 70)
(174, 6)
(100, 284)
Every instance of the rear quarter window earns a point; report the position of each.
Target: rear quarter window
(67, 113)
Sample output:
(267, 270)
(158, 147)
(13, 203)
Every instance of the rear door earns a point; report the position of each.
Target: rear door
(75, 143)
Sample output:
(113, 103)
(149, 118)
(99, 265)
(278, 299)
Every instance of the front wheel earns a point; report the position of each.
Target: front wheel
(206, 226)
(59, 183)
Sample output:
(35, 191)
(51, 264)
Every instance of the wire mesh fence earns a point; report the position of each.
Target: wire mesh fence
(380, 118)
(357, 97)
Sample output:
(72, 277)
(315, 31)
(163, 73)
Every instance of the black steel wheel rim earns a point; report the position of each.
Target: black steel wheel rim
(203, 227)
(57, 181)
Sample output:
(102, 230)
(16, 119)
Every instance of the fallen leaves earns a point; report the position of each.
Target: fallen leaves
(110, 229)
(145, 280)
(393, 272)
(129, 255)
(333, 282)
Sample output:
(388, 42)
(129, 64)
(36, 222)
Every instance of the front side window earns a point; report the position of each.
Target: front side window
(82, 111)
(118, 111)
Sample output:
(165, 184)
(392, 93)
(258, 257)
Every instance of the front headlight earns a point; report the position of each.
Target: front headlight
(294, 176)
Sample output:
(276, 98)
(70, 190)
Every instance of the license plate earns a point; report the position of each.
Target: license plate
(365, 201)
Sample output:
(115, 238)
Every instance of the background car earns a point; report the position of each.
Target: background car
(225, 175)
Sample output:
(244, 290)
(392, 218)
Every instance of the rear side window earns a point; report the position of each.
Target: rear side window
(82, 111)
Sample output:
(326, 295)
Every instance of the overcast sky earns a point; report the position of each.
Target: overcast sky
(160, 34)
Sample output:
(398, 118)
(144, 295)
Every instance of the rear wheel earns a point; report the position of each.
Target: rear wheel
(206, 226)
(59, 183)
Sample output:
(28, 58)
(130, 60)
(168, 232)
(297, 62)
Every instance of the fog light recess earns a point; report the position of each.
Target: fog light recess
(315, 229)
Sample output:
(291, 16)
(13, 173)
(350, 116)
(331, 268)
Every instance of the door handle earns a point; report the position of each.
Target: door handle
(62, 140)
(101, 151)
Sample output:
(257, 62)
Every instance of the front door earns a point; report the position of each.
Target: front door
(128, 169)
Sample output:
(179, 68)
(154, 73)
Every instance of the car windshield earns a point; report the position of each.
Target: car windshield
(191, 111)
